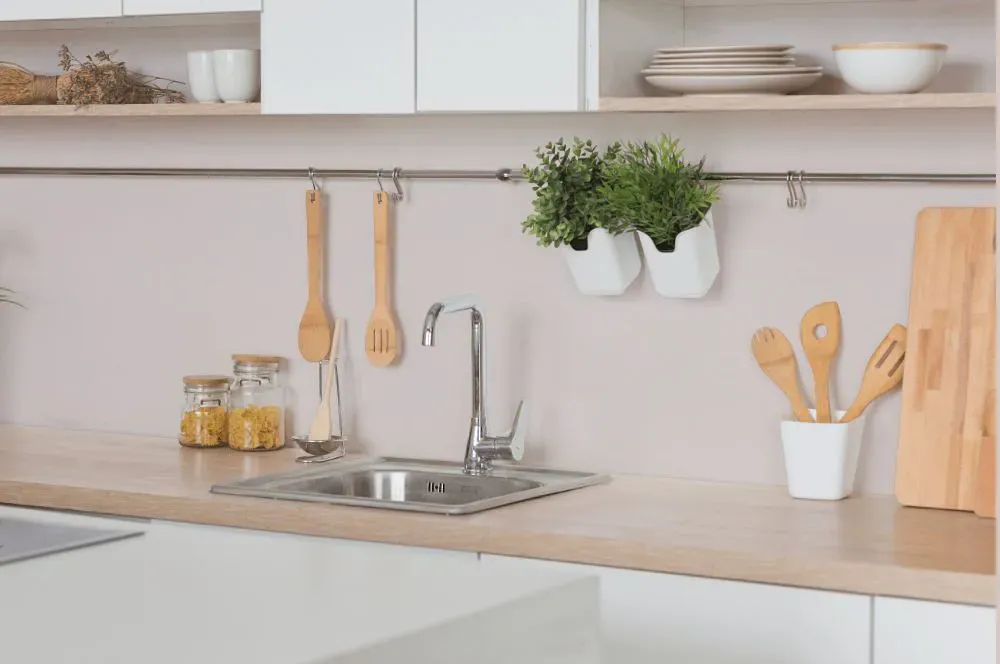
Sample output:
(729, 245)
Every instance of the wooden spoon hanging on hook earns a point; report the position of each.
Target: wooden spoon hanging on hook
(315, 333)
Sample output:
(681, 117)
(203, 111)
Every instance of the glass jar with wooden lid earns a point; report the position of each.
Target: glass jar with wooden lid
(257, 404)
(204, 419)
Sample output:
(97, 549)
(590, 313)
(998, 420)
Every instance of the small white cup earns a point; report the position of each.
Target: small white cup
(821, 460)
(201, 77)
(237, 75)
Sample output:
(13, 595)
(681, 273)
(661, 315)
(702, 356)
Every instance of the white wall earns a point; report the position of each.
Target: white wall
(131, 284)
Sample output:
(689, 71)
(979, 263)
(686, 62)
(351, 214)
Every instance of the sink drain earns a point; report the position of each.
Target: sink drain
(435, 487)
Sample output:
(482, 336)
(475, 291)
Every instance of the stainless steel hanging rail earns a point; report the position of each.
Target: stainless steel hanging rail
(502, 175)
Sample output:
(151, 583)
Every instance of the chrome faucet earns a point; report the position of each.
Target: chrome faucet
(481, 449)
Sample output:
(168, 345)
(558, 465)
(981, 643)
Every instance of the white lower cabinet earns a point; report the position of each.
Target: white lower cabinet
(914, 632)
(650, 618)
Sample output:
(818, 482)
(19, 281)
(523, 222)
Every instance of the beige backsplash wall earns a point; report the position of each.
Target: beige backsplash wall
(132, 283)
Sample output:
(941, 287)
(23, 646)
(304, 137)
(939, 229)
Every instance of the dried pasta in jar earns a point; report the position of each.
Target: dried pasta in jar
(204, 419)
(256, 428)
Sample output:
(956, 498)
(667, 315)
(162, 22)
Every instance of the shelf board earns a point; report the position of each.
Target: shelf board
(133, 110)
(846, 102)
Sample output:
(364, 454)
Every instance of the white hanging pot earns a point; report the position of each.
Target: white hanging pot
(691, 268)
(607, 266)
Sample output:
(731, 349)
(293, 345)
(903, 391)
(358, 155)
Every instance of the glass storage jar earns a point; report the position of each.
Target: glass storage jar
(204, 419)
(257, 404)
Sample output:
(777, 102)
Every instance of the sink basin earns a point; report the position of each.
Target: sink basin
(439, 487)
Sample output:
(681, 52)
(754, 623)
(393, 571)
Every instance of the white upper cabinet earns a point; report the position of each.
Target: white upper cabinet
(39, 10)
(164, 7)
(516, 55)
(338, 57)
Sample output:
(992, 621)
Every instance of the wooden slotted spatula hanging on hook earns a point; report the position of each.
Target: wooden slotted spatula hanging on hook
(380, 336)
(315, 332)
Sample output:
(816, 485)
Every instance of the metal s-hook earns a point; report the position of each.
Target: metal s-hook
(381, 189)
(398, 196)
(803, 199)
(312, 178)
(793, 197)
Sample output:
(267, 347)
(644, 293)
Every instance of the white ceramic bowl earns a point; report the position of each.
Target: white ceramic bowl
(889, 67)
(237, 75)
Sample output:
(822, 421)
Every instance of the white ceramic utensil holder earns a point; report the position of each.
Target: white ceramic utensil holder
(821, 460)
(608, 265)
(691, 268)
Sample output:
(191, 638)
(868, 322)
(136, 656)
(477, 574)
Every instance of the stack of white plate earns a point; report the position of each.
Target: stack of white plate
(730, 70)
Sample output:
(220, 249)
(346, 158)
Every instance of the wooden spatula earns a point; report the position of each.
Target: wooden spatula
(820, 350)
(314, 327)
(322, 427)
(380, 336)
(884, 372)
(773, 352)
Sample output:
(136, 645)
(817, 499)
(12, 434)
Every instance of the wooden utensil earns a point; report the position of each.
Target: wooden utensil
(314, 327)
(821, 350)
(883, 372)
(380, 336)
(322, 427)
(774, 354)
(948, 380)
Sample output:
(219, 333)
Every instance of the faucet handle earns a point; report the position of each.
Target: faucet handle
(460, 303)
(511, 446)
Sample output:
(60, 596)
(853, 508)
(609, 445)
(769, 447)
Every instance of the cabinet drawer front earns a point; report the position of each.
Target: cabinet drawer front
(650, 618)
(915, 632)
(165, 7)
(518, 55)
(338, 56)
(40, 10)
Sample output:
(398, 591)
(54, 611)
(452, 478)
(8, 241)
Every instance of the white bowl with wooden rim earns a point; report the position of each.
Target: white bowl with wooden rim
(889, 67)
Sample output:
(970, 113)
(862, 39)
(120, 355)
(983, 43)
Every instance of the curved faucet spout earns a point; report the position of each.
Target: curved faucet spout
(480, 449)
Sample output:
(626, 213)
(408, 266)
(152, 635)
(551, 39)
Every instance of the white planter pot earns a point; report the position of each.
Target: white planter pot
(821, 460)
(608, 265)
(691, 268)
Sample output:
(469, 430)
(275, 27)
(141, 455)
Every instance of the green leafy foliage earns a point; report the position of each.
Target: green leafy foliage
(566, 182)
(649, 187)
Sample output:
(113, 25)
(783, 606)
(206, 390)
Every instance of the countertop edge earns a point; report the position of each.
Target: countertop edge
(847, 577)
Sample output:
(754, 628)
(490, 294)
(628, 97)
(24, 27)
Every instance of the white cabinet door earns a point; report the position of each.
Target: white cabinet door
(649, 618)
(516, 55)
(163, 7)
(914, 632)
(39, 10)
(338, 56)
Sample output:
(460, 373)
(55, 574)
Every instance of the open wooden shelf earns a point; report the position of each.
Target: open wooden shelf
(692, 104)
(846, 102)
(133, 110)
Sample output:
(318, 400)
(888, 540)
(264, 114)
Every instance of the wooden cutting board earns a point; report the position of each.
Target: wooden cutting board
(948, 376)
(986, 483)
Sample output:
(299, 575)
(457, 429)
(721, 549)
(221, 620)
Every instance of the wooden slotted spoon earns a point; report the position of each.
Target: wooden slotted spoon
(884, 372)
(314, 327)
(820, 351)
(773, 352)
(380, 335)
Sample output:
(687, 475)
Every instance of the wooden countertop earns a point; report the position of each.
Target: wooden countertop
(865, 545)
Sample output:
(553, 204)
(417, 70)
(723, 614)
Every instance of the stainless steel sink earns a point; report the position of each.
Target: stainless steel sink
(410, 484)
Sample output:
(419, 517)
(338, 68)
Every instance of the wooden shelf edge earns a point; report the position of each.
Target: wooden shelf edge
(133, 110)
(845, 102)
